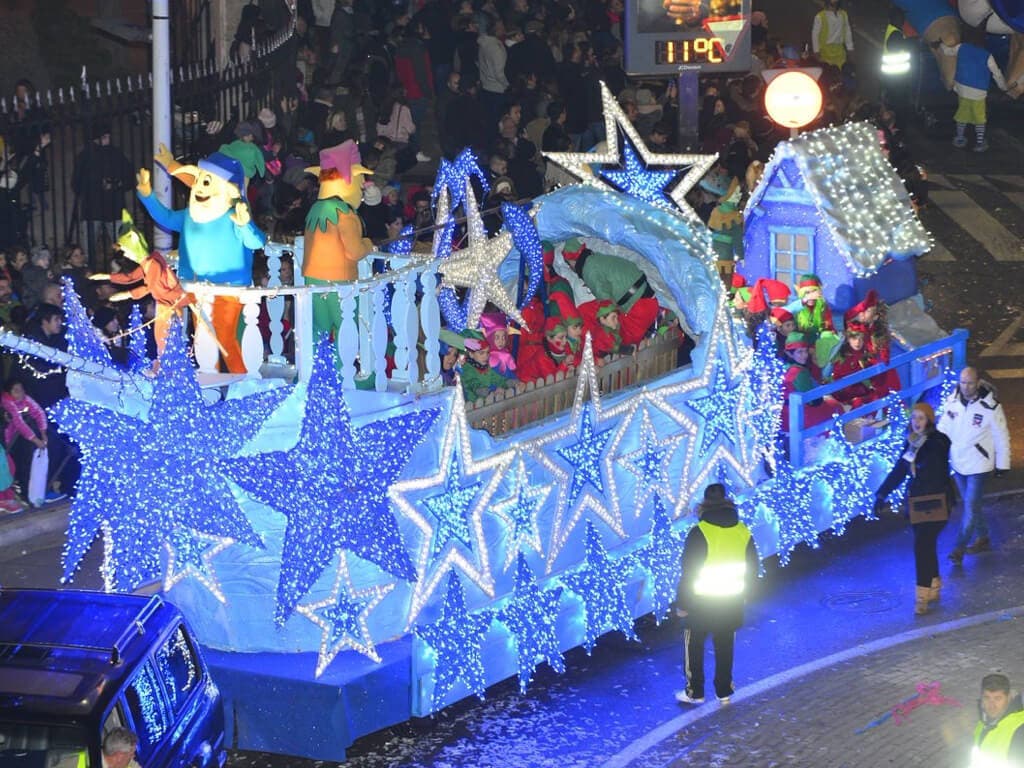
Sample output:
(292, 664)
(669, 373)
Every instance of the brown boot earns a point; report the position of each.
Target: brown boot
(982, 544)
(933, 593)
(956, 557)
(921, 600)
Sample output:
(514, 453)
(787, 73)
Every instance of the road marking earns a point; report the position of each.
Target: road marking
(1004, 345)
(937, 179)
(979, 223)
(1005, 373)
(1013, 181)
(939, 252)
(664, 731)
(978, 180)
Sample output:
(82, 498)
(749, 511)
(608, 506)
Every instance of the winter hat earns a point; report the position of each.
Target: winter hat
(246, 129)
(225, 167)
(738, 281)
(807, 283)
(854, 327)
(645, 103)
(553, 326)
(267, 117)
(797, 340)
(372, 195)
(870, 300)
(927, 410)
(606, 308)
(767, 291)
(780, 315)
(742, 294)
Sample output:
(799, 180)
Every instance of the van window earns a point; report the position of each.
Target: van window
(147, 709)
(176, 661)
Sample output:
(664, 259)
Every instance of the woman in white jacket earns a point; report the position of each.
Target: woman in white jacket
(975, 423)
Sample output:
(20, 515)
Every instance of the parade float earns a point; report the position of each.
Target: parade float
(344, 531)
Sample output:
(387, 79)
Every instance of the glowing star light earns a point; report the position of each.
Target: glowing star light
(190, 555)
(530, 614)
(662, 558)
(632, 174)
(455, 639)
(476, 267)
(447, 509)
(520, 512)
(342, 617)
(332, 486)
(600, 583)
(649, 462)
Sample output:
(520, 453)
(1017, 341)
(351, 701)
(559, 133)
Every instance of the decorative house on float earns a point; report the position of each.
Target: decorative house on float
(374, 555)
(830, 203)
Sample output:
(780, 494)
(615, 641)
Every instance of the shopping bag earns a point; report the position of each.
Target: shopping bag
(929, 509)
(38, 475)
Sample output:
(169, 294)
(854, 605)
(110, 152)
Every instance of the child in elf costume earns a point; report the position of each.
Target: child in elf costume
(478, 378)
(871, 313)
(601, 319)
(497, 333)
(815, 319)
(784, 323)
(217, 238)
(334, 232)
(562, 306)
(854, 357)
(544, 353)
(618, 280)
(802, 376)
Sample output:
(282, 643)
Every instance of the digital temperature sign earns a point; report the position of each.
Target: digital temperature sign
(664, 37)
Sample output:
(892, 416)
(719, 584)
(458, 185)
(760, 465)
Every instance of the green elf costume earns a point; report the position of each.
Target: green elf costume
(814, 319)
(726, 224)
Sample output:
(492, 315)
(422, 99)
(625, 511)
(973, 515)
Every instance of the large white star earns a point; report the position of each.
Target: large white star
(579, 163)
(342, 617)
(408, 495)
(476, 267)
(568, 512)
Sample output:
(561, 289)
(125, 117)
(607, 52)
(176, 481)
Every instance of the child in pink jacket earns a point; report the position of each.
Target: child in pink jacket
(25, 431)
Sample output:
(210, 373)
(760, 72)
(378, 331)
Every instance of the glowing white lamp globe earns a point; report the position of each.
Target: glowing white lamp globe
(793, 99)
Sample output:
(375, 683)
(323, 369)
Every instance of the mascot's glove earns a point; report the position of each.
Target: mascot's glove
(163, 155)
(241, 216)
(142, 183)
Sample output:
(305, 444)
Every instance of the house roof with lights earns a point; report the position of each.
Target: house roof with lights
(844, 174)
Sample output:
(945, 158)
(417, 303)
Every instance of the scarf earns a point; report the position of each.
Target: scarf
(914, 443)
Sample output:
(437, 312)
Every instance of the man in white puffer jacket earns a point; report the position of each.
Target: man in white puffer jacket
(975, 423)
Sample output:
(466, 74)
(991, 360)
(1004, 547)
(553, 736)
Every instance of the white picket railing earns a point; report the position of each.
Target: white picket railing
(362, 343)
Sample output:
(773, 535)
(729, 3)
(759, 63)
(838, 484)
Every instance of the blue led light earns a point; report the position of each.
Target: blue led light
(530, 614)
(637, 180)
(137, 350)
(82, 336)
(584, 456)
(332, 486)
(600, 583)
(455, 639)
(719, 409)
(662, 558)
(451, 509)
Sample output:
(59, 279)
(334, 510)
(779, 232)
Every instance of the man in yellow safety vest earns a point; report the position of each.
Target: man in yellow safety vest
(897, 60)
(999, 734)
(831, 35)
(719, 560)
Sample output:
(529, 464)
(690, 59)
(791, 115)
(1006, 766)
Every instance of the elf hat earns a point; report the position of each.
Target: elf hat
(742, 294)
(738, 280)
(606, 308)
(807, 283)
(767, 291)
(477, 345)
(781, 315)
(797, 341)
(553, 326)
(224, 167)
(343, 158)
(853, 327)
(870, 300)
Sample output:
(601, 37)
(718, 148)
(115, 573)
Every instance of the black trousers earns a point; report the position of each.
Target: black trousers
(926, 551)
(723, 641)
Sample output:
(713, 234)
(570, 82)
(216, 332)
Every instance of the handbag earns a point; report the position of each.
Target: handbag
(929, 509)
(38, 476)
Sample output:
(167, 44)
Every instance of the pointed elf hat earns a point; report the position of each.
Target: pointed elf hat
(343, 158)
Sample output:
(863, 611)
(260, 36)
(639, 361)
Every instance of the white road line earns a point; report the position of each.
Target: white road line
(980, 224)
(654, 737)
(1005, 373)
(1004, 346)
(978, 180)
(938, 180)
(938, 253)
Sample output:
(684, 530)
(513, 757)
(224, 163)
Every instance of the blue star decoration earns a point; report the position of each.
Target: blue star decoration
(636, 179)
(142, 479)
(584, 456)
(190, 556)
(520, 514)
(662, 558)
(455, 639)
(332, 486)
(82, 336)
(453, 175)
(342, 617)
(600, 583)
(719, 409)
(451, 508)
(530, 614)
(138, 351)
(649, 462)
(788, 496)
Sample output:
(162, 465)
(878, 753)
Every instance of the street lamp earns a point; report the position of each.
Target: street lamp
(793, 97)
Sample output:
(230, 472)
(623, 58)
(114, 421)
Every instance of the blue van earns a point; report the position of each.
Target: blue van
(74, 665)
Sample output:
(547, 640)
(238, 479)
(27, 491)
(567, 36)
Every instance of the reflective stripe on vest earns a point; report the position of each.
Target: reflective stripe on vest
(725, 569)
(894, 62)
(991, 748)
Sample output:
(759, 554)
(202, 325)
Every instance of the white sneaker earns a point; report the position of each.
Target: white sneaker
(684, 698)
(723, 700)
(422, 158)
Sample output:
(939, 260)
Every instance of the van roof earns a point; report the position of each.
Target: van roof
(66, 653)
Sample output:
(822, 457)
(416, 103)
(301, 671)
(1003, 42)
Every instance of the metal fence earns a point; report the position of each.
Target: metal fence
(45, 137)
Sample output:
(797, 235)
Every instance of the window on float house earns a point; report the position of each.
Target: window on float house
(792, 253)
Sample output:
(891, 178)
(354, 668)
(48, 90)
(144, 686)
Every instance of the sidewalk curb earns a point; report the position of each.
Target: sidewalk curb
(23, 526)
(652, 738)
